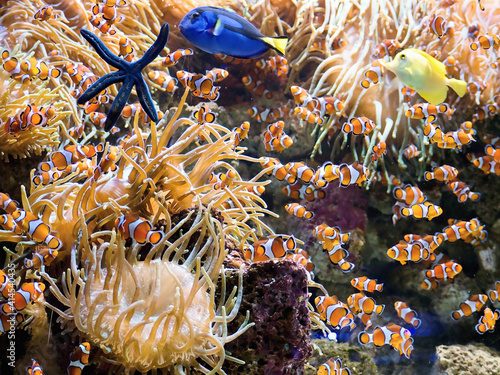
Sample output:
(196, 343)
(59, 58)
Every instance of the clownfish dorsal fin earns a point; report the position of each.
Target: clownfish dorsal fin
(219, 27)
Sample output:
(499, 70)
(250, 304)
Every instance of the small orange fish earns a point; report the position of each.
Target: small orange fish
(444, 271)
(241, 133)
(27, 293)
(378, 150)
(363, 283)
(422, 210)
(407, 314)
(45, 13)
(359, 302)
(443, 173)
(272, 247)
(334, 312)
(359, 125)
(298, 210)
(221, 180)
(333, 367)
(474, 303)
(41, 258)
(350, 174)
(373, 74)
(79, 358)
(392, 334)
(36, 228)
(35, 368)
(487, 321)
(6, 285)
(494, 294)
(410, 195)
(174, 57)
(411, 151)
(163, 80)
(132, 226)
(387, 47)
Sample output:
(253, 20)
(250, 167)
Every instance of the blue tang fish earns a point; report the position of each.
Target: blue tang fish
(216, 30)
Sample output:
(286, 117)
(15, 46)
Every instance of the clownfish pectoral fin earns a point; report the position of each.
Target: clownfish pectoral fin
(436, 96)
(277, 43)
(459, 86)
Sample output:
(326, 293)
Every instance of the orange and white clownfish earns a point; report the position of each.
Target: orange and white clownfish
(35, 368)
(360, 302)
(132, 226)
(407, 314)
(409, 194)
(27, 293)
(79, 358)
(494, 294)
(174, 57)
(272, 247)
(443, 173)
(444, 271)
(241, 132)
(474, 303)
(298, 210)
(333, 367)
(334, 312)
(363, 283)
(44, 257)
(6, 285)
(487, 321)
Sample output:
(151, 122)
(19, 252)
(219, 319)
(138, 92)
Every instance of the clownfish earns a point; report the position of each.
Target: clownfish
(267, 248)
(391, 334)
(473, 304)
(363, 283)
(139, 229)
(359, 302)
(424, 74)
(335, 312)
(333, 367)
(487, 321)
(41, 258)
(174, 57)
(79, 358)
(241, 133)
(443, 173)
(494, 294)
(6, 285)
(407, 314)
(298, 210)
(411, 151)
(27, 293)
(35, 368)
(216, 30)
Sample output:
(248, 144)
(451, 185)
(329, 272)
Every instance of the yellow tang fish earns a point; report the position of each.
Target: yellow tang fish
(424, 74)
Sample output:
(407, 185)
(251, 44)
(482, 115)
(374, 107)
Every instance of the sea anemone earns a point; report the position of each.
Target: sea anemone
(152, 306)
(331, 67)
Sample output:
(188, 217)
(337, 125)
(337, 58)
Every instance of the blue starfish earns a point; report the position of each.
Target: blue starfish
(130, 74)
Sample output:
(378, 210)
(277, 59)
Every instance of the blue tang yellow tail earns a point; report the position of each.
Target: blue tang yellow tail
(216, 30)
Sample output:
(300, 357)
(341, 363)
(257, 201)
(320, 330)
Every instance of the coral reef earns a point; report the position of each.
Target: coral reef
(467, 359)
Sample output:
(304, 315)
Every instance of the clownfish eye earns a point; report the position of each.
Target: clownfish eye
(403, 57)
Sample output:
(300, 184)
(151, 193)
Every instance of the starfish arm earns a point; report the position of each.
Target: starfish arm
(100, 85)
(155, 49)
(145, 98)
(104, 51)
(118, 103)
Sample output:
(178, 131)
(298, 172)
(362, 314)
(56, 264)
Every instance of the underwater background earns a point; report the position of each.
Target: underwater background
(306, 202)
